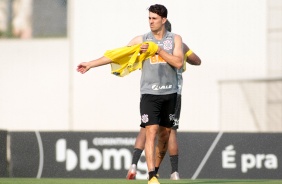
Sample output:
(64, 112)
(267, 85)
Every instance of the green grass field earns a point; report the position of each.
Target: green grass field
(123, 181)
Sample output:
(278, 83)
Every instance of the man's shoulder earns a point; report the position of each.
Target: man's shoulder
(135, 40)
(169, 35)
(148, 36)
(177, 35)
(173, 34)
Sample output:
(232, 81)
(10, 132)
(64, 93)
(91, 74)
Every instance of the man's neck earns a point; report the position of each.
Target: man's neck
(159, 34)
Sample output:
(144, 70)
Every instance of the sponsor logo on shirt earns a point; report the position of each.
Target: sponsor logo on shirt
(156, 59)
(167, 44)
(157, 87)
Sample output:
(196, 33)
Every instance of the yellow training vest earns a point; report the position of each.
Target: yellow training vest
(127, 59)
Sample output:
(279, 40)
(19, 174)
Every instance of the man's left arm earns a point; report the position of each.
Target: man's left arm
(176, 59)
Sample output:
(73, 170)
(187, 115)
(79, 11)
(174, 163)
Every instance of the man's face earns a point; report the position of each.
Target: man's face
(156, 22)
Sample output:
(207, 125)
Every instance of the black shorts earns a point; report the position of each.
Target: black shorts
(157, 110)
(177, 112)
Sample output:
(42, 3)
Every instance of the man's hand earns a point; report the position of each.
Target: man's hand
(144, 48)
(83, 67)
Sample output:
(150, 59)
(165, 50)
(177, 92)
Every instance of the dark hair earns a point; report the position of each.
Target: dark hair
(158, 9)
(168, 25)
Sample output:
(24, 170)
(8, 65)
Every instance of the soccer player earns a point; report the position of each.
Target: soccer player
(158, 82)
(193, 59)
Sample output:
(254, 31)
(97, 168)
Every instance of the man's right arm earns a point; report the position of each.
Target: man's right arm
(85, 66)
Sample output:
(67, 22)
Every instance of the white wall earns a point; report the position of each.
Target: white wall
(228, 35)
(34, 84)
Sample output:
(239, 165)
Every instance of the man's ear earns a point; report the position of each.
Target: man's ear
(164, 20)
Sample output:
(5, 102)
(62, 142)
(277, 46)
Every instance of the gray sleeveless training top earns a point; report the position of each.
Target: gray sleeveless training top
(179, 77)
(158, 77)
(179, 80)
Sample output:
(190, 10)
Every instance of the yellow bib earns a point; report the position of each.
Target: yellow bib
(128, 59)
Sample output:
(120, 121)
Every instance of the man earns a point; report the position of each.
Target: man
(192, 59)
(158, 82)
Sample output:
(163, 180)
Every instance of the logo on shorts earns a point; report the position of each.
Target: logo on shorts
(171, 117)
(144, 118)
(176, 122)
